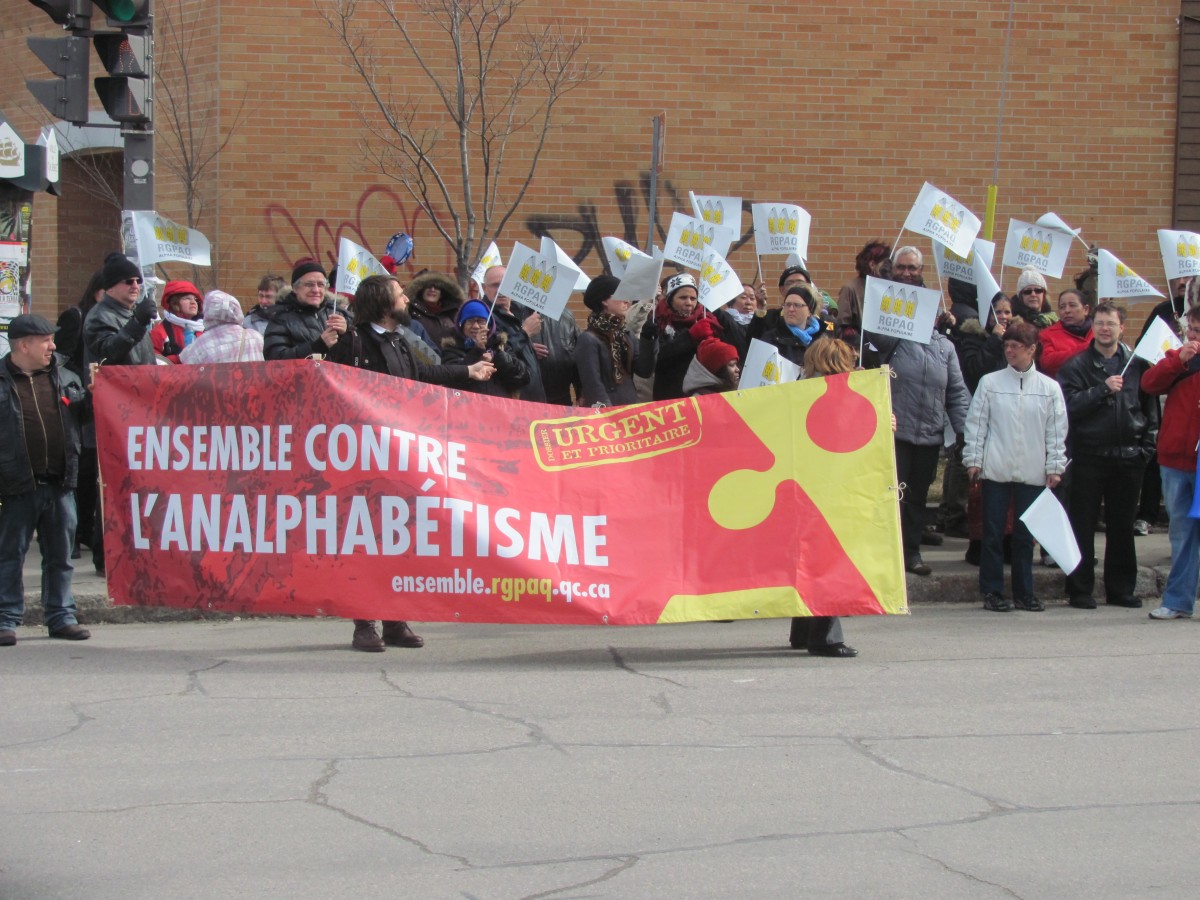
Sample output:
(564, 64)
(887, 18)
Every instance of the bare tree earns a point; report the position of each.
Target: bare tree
(492, 82)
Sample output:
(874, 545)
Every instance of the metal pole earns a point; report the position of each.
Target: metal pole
(655, 166)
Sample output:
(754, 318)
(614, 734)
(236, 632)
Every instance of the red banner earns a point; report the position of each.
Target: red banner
(307, 488)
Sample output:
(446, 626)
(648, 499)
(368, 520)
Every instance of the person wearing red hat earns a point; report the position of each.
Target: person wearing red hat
(181, 323)
(713, 370)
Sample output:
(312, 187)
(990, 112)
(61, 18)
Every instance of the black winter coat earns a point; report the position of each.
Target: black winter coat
(362, 347)
(294, 331)
(1123, 425)
(511, 373)
(16, 471)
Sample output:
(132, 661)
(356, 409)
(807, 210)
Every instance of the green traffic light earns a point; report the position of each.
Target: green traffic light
(122, 10)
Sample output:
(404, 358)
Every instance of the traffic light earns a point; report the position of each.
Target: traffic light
(67, 57)
(125, 13)
(125, 92)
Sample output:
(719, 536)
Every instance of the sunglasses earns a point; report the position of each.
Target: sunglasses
(1028, 291)
(132, 281)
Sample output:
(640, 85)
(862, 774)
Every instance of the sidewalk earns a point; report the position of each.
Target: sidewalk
(952, 581)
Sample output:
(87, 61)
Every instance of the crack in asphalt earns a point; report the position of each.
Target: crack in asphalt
(81, 719)
(194, 685)
(621, 664)
(317, 797)
(967, 875)
(626, 863)
(537, 734)
(859, 746)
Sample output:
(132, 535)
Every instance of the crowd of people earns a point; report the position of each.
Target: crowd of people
(1006, 398)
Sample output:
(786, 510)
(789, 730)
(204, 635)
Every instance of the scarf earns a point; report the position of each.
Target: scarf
(806, 334)
(740, 317)
(611, 330)
(191, 327)
(669, 321)
(1083, 329)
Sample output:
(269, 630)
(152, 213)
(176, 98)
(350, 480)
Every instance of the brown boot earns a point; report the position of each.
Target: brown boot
(366, 638)
(398, 634)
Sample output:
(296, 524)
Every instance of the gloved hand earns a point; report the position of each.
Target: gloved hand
(144, 311)
(705, 328)
(649, 330)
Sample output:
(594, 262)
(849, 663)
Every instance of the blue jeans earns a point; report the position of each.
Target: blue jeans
(997, 496)
(1178, 488)
(50, 510)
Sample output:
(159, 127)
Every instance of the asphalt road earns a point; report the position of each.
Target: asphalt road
(963, 753)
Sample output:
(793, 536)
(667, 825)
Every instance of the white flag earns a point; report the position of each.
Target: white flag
(491, 257)
(1051, 220)
(640, 281)
(1115, 279)
(765, 366)
(780, 229)
(354, 264)
(938, 215)
(537, 281)
(688, 239)
(619, 253)
(1158, 339)
(1180, 253)
(725, 211)
(718, 282)
(985, 289)
(1029, 244)
(900, 310)
(1048, 523)
(551, 250)
(161, 240)
(951, 265)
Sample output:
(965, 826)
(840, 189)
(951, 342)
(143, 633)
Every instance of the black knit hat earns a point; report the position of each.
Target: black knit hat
(304, 267)
(118, 267)
(601, 288)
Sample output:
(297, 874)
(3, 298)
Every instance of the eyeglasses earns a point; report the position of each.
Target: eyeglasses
(906, 268)
(1032, 290)
(313, 285)
(132, 282)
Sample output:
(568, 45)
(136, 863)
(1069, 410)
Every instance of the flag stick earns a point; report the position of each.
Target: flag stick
(896, 242)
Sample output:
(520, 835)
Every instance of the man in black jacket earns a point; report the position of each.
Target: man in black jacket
(39, 464)
(306, 321)
(374, 344)
(1113, 427)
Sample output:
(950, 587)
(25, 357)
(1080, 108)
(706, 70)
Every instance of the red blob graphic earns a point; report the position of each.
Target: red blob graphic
(841, 421)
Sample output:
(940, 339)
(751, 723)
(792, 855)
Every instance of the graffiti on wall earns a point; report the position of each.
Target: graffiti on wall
(579, 233)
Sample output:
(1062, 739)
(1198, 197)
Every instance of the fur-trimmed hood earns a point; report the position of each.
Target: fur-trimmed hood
(452, 294)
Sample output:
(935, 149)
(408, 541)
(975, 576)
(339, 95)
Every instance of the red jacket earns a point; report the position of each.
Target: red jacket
(1180, 427)
(1059, 345)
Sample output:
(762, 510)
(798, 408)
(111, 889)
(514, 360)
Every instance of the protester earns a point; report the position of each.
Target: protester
(1031, 302)
(1015, 444)
(519, 343)
(306, 322)
(479, 338)
(1067, 337)
(225, 338)
(553, 342)
(765, 319)
(1175, 376)
(798, 326)
(735, 319)
(668, 340)
(39, 464)
(1171, 312)
(180, 323)
(822, 635)
(116, 332)
(927, 389)
(373, 344)
(68, 341)
(981, 352)
(850, 296)
(1113, 426)
(269, 287)
(434, 301)
(907, 265)
(605, 353)
(713, 370)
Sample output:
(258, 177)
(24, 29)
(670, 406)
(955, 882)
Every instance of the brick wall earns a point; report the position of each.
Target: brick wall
(845, 108)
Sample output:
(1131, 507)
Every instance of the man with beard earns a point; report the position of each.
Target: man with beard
(380, 306)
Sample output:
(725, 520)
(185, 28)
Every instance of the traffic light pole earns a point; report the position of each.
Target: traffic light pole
(139, 170)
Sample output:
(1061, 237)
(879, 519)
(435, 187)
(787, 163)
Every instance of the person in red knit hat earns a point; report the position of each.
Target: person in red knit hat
(713, 370)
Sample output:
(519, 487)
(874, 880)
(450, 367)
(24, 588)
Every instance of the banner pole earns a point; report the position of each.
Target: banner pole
(896, 242)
